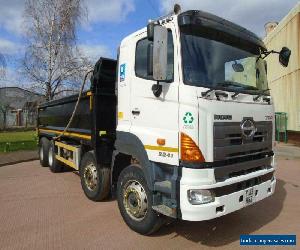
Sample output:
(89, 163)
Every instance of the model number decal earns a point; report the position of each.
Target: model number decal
(269, 117)
(223, 117)
(165, 154)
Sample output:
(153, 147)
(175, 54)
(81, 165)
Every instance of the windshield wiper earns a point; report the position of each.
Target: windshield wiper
(205, 94)
(236, 84)
(236, 93)
(230, 84)
(218, 93)
(262, 93)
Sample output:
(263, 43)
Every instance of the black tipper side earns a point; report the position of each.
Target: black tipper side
(103, 84)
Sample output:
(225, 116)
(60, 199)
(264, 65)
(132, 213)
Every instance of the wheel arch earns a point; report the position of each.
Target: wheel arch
(129, 146)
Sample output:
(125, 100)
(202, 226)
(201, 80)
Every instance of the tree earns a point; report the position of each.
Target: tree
(52, 61)
(2, 66)
(4, 108)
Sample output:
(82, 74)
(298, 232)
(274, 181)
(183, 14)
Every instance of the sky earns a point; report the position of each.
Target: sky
(109, 21)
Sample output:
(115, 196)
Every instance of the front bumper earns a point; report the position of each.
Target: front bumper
(223, 204)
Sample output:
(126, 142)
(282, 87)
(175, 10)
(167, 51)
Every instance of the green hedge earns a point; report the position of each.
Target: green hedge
(17, 129)
(19, 145)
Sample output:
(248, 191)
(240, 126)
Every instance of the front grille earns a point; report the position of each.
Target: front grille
(229, 142)
(225, 190)
(242, 167)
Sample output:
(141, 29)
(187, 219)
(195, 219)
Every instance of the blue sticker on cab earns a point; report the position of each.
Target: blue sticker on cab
(122, 72)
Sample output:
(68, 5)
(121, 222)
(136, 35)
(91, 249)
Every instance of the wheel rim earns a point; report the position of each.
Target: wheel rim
(50, 157)
(90, 176)
(135, 200)
(41, 153)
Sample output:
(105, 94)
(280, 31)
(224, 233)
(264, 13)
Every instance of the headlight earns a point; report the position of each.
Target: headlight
(199, 196)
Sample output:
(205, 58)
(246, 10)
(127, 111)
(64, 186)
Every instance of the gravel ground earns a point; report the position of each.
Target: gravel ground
(41, 210)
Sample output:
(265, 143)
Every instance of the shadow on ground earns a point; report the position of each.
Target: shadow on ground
(224, 230)
(227, 229)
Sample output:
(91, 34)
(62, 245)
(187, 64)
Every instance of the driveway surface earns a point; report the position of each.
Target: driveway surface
(17, 157)
(41, 210)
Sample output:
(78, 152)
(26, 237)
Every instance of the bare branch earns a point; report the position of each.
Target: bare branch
(2, 66)
(51, 60)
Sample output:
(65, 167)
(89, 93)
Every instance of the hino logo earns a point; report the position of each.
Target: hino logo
(248, 128)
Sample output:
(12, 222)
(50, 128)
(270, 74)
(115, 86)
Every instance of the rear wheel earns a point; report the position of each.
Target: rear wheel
(95, 179)
(135, 202)
(43, 151)
(54, 165)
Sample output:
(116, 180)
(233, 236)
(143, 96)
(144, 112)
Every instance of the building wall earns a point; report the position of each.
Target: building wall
(285, 82)
(18, 99)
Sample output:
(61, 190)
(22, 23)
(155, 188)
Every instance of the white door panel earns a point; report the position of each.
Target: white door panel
(155, 118)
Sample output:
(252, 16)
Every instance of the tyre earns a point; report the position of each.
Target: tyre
(54, 165)
(43, 151)
(135, 202)
(95, 180)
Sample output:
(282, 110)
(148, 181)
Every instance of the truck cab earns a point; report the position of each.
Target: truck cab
(189, 131)
(210, 120)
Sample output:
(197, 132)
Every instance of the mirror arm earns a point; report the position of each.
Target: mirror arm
(267, 53)
(275, 52)
(284, 55)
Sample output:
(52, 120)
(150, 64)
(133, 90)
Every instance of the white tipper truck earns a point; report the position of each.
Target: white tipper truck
(180, 126)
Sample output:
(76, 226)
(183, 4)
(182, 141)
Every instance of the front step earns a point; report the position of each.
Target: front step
(163, 187)
(165, 210)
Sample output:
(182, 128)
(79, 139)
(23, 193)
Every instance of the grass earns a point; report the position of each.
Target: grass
(14, 141)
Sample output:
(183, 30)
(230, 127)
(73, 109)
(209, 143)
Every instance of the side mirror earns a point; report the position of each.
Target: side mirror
(238, 67)
(160, 53)
(150, 31)
(284, 56)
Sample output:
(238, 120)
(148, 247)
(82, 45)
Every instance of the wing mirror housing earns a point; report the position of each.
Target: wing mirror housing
(150, 31)
(150, 59)
(157, 51)
(238, 67)
(157, 55)
(160, 53)
(284, 56)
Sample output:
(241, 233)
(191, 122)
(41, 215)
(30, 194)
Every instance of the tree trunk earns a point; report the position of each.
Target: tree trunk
(48, 92)
(4, 120)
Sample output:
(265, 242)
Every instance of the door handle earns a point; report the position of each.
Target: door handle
(135, 112)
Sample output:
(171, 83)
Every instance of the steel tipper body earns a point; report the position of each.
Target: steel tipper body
(181, 126)
(94, 125)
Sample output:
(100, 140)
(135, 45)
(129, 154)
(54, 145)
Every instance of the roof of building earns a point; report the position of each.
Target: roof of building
(293, 12)
(25, 90)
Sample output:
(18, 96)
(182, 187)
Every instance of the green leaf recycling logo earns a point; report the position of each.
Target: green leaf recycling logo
(188, 118)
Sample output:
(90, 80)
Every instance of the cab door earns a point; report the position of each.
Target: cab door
(154, 120)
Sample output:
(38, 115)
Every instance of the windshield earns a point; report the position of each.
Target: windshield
(215, 64)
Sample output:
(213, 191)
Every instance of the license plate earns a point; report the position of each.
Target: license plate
(249, 195)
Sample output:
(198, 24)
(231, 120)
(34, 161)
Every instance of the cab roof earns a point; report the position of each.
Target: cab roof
(210, 21)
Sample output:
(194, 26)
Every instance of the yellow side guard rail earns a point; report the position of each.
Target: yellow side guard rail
(68, 154)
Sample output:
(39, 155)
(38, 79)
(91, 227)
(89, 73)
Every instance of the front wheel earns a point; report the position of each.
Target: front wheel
(135, 202)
